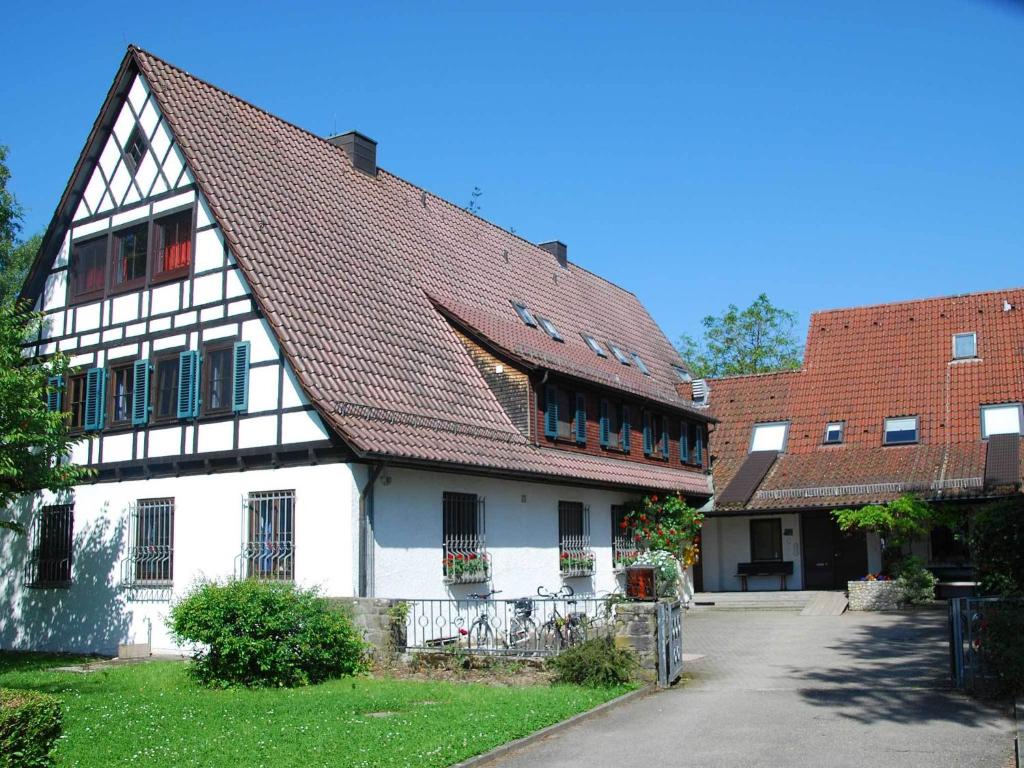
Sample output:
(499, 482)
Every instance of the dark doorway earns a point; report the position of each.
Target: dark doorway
(831, 557)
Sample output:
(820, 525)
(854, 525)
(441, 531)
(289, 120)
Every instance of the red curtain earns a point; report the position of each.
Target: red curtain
(177, 243)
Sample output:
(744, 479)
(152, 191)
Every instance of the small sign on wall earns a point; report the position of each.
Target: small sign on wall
(640, 583)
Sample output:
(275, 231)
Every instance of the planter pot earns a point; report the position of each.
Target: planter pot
(874, 595)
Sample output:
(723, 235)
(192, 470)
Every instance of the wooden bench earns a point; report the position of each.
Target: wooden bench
(780, 568)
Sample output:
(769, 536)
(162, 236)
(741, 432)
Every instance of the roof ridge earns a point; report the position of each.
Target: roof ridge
(734, 376)
(901, 302)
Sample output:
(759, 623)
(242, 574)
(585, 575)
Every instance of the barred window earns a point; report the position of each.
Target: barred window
(625, 548)
(151, 535)
(52, 536)
(268, 549)
(575, 556)
(465, 558)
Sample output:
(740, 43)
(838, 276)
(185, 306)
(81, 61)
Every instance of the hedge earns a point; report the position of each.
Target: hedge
(30, 723)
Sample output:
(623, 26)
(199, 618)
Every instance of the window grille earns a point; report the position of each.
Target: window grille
(625, 548)
(576, 558)
(268, 536)
(150, 558)
(463, 539)
(52, 536)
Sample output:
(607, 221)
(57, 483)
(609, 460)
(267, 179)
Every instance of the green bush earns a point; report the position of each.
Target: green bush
(915, 581)
(30, 723)
(1001, 642)
(264, 634)
(595, 663)
(997, 547)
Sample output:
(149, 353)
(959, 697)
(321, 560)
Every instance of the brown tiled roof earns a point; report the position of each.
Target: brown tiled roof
(862, 365)
(344, 265)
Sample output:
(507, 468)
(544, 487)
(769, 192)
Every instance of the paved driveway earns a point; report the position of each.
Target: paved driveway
(779, 689)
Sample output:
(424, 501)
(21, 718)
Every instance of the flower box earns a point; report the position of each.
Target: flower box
(466, 567)
(576, 564)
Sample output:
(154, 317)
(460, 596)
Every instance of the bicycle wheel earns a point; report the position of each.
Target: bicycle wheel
(549, 638)
(522, 636)
(481, 636)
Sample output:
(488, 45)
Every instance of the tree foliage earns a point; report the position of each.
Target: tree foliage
(15, 257)
(15, 269)
(997, 547)
(758, 339)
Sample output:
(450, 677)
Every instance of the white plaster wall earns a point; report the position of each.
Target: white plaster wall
(95, 613)
(726, 542)
(522, 534)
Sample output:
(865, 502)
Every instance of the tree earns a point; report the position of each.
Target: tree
(13, 273)
(15, 257)
(896, 522)
(758, 339)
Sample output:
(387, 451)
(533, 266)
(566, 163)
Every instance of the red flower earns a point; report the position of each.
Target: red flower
(672, 531)
(660, 532)
(460, 556)
(643, 518)
(654, 499)
(472, 556)
(463, 631)
(624, 524)
(637, 537)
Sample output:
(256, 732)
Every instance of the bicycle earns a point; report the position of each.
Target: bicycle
(480, 633)
(561, 632)
(522, 629)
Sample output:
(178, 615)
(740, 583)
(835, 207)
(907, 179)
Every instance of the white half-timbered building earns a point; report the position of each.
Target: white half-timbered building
(291, 364)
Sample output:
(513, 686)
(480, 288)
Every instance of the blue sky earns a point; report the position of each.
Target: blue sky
(697, 153)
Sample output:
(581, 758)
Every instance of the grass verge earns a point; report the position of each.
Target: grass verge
(152, 714)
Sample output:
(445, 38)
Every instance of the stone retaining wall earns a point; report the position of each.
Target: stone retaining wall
(874, 595)
(379, 619)
(636, 629)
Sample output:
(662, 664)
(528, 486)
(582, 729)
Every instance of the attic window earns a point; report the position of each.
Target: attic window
(549, 328)
(135, 149)
(1002, 419)
(834, 432)
(769, 437)
(640, 364)
(524, 314)
(901, 430)
(595, 345)
(682, 374)
(965, 345)
(619, 354)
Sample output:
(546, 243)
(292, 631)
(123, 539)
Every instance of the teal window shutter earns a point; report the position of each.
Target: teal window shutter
(581, 418)
(604, 424)
(240, 377)
(648, 435)
(188, 384)
(551, 412)
(626, 429)
(140, 393)
(54, 385)
(664, 439)
(95, 391)
(684, 442)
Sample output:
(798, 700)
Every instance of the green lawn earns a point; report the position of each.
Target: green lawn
(153, 715)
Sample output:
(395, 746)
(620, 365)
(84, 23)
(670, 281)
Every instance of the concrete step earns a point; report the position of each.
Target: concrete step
(754, 601)
(826, 604)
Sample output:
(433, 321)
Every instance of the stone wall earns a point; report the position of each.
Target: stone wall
(636, 629)
(379, 619)
(874, 595)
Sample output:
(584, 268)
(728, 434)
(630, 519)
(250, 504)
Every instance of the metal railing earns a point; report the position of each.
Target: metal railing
(268, 545)
(149, 561)
(52, 541)
(976, 626)
(465, 560)
(526, 626)
(576, 557)
(625, 550)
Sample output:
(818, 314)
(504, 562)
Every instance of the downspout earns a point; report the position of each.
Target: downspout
(366, 532)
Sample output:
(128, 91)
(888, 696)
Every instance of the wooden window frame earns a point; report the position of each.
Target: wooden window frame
(129, 159)
(70, 383)
(113, 259)
(227, 345)
(775, 523)
(128, 364)
(164, 355)
(166, 276)
(97, 293)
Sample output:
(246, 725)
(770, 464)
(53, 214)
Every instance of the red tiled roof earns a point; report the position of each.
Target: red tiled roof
(862, 365)
(344, 265)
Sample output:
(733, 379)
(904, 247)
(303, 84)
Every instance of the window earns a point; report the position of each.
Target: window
(121, 384)
(625, 547)
(74, 402)
(594, 345)
(165, 393)
(949, 545)
(128, 268)
(965, 345)
(52, 539)
(619, 354)
(269, 549)
(1000, 419)
(549, 328)
(834, 432)
(172, 245)
(135, 149)
(565, 414)
(766, 539)
(655, 435)
(901, 430)
(640, 364)
(151, 552)
(524, 314)
(575, 556)
(217, 378)
(684, 441)
(88, 265)
(465, 557)
(682, 374)
(769, 437)
(611, 425)
(698, 445)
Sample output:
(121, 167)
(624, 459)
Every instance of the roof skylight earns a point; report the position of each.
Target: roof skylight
(549, 328)
(524, 314)
(595, 345)
(640, 364)
(682, 373)
(619, 354)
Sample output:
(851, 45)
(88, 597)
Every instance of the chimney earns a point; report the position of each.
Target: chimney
(559, 250)
(361, 150)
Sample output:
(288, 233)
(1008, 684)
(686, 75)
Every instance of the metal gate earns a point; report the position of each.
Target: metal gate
(670, 643)
(973, 622)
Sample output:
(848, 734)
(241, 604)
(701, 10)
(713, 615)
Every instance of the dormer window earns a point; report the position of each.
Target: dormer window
(619, 354)
(549, 328)
(769, 437)
(594, 345)
(524, 314)
(965, 345)
(901, 430)
(834, 432)
(640, 364)
(135, 149)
